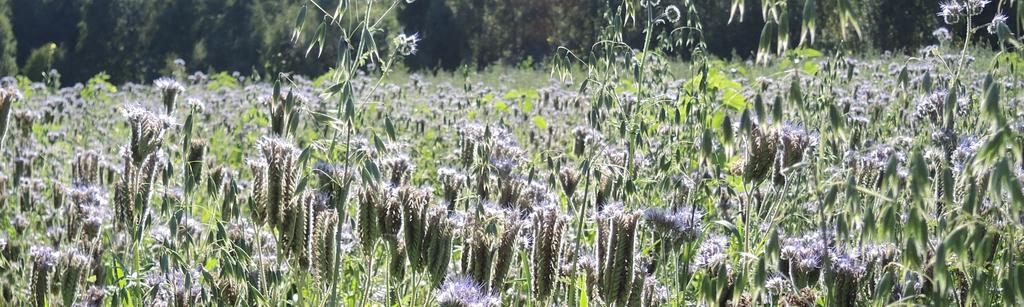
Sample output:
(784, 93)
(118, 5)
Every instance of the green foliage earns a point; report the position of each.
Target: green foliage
(8, 43)
(133, 40)
(99, 87)
(222, 80)
(40, 61)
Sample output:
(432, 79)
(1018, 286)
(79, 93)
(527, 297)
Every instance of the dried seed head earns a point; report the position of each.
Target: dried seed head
(548, 225)
(461, 291)
(88, 206)
(148, 131)
(325, 243)
(258, 199)
(75, 264)
(451, 182)
(390, 216)
(438, 243)
(282, 177)
(396, 267)
(399, 169)
(760, 154)
(23, 165)
(223, 178)
(170, 89)
(135, 187)
(583, 137)
(86, 168)
(636, 292)
(510, 191)
(619, 236)
(148, 171)
(534, 194)
(481, 255)
(468, 152)
(569, 177)
(24, 119)
(794, 142)
(196, 155)
(296, 231)
(505, 252)
(371, 199)
(414, 201)
(603, 195)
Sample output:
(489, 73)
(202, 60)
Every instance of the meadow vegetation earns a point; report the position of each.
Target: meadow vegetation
(617, 176)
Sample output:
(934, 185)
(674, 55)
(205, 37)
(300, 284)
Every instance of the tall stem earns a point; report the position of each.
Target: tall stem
(579, 226)
(369, 275)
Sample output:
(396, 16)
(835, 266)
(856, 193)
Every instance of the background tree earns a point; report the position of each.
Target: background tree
(8, 44)
(135, 40)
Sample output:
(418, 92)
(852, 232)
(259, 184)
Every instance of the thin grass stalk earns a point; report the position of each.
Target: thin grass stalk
(348, 183)
(579, 225)
(369, 275)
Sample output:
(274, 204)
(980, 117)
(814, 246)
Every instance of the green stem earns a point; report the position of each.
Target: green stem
(579, 226)
(369, 275)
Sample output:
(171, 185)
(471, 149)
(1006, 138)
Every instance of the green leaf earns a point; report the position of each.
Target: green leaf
(734, 99)
(389, 127)
(581, 283)
(919, 180)
(904, 77)
(809, 68)
(540, 122)
(501, 106)
(304, 156)
(884, 287)
(371, 168)
(379, 143)
(991, 108)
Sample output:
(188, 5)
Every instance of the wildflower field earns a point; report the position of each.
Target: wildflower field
(622, 178)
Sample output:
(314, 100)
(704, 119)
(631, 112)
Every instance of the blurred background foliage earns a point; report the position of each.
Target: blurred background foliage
(138, 40)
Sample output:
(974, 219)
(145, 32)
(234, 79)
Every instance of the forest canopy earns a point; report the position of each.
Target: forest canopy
(139, 40)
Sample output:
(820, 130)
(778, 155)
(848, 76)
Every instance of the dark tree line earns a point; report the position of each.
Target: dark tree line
(138, 40)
